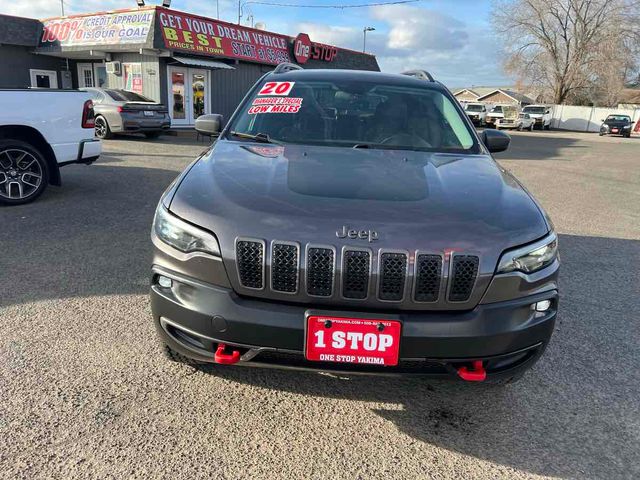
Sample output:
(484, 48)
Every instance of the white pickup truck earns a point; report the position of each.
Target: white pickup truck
(40, 131)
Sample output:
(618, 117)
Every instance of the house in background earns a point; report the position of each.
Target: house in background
(506, 97)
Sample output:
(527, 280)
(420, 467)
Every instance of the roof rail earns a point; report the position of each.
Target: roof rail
(421, 74)
(286, 67)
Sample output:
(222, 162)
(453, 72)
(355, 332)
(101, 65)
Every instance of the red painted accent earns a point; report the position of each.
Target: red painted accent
(302, 48)
(477, 374)
(637, 129)
(88, 115)
(353, 340)
(226, 358)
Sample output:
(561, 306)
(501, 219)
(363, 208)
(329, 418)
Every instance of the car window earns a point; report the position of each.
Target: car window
(474, 108)
(354, 112)
(618, 118)
(497, 109)
(126, 96)
(534, 110)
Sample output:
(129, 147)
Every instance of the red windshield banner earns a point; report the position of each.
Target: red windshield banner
(204, 36)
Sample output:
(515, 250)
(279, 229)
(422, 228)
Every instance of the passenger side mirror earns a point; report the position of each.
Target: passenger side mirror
(209, 125)
(496, 140)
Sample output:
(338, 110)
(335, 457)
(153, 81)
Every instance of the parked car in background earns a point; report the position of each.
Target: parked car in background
(122, 111)
(515, 120)
(494, 114)
(477, 113)
(616, 125)
(40, 131)
(541, 115)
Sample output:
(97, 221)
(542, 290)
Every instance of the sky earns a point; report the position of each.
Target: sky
(452, 39)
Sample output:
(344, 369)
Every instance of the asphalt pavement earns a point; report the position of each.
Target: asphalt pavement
(86, 393)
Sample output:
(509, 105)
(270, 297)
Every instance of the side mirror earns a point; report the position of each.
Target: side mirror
(209, 125)
(496, 140)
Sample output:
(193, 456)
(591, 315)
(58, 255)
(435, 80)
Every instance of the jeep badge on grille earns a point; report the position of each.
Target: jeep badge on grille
(369, 235)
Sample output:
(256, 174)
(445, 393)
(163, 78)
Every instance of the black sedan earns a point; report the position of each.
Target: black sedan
(616, 125)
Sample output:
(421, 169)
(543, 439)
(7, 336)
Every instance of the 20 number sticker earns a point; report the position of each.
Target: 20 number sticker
(276, 88)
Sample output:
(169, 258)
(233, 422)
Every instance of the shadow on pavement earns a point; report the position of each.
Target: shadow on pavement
(546, 146)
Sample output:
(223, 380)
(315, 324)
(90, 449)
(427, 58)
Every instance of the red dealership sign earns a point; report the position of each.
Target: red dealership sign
(304, 49)
(204, 36)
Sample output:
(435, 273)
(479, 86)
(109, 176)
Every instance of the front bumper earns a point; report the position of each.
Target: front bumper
(193, 317)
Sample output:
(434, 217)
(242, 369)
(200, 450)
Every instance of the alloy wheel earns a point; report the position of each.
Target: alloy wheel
(101, 127)
(20, 174)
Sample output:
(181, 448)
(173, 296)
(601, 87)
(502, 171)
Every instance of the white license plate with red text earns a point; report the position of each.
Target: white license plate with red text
(353, 340)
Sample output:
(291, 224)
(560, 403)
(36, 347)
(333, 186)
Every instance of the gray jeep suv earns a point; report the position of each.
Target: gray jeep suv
(354, 221)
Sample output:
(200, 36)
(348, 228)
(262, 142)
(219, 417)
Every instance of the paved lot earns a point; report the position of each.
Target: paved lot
(85, 393)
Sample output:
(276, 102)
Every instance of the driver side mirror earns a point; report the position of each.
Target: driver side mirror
(209, 125)
(496, 140)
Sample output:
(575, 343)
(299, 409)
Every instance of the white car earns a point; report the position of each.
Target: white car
(477, 113)
(494, 114)
(522, 122)
(40, 131)
(540, 114)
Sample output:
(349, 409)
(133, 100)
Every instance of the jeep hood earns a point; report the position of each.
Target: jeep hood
(413, 200)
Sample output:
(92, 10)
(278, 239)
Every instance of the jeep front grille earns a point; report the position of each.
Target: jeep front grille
(320, 271)
(428, 278)
(464, 273)
(393, 276)
(284, 268)
(356, 269)
(250, 258)
(325, 272)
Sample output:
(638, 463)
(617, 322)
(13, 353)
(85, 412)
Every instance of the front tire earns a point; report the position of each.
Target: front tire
(24, 172)
(102, 128)
(531, 127)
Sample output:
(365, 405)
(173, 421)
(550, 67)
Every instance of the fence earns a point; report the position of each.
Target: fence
(586, 119)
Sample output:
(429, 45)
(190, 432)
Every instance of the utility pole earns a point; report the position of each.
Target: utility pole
(62, 7)
(239, 11)
(364, 37)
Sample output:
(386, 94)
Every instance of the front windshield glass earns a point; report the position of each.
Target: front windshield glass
(497, 109)
(353, 113)
(533, 109)
(618, 118)
(474, 108)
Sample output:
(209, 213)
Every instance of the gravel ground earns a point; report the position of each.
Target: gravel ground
(85, 392)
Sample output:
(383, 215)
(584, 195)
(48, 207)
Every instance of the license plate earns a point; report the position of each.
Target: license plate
(614, 130)
(353, 340)
(148, 113)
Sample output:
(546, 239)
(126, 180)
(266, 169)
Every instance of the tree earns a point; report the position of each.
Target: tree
(572, 48)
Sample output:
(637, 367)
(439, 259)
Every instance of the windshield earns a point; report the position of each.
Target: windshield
(474, 108)
(126, 96)
(497, 109)
(534, 109)
(618, 118)
(353, 113)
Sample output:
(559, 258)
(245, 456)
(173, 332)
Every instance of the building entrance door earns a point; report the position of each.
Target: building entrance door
(85, 75)
(188, 94)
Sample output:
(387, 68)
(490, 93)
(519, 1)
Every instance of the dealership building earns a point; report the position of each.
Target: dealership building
(192, 64)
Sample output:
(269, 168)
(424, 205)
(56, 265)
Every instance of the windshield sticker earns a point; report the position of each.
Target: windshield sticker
(276, 88)
(275, 105)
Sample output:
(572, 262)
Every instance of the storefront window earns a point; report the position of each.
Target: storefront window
(132, 77)
(177, 90)
(101, 76)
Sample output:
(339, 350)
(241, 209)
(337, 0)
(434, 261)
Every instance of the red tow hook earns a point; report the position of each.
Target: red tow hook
(226, 358)
(477, 374)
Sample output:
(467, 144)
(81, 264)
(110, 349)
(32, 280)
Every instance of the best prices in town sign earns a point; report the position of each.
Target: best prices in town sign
(203, 36)
(112, 28)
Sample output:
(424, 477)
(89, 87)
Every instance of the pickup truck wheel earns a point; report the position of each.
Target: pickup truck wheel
(23, 172)
(102, 128)
(531, 127)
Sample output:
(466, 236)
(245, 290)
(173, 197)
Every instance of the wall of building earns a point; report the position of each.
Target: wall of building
(16, 61)
(151, 74)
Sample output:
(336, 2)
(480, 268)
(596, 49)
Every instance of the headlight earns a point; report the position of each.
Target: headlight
(531, 258)
(182, 235)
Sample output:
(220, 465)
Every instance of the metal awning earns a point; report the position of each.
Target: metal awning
(199, 62)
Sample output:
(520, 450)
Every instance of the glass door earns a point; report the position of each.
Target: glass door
(199, 95)
(178, 101)
(188, 94)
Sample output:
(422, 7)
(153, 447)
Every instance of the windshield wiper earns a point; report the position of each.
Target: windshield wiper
(258, 137)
